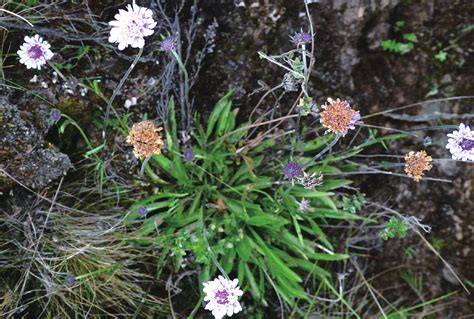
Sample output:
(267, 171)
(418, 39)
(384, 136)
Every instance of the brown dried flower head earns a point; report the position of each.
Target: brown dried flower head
(417, 163)
(338, 116)
(145, 139)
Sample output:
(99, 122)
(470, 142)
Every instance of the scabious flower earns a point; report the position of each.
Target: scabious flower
(310, 181)
(188, 154)
(338, 116)
(305, 206)
(34, 52)
(292, 170)
(168, 44)
(131, 26)
(416, 164)
(142, 210)
(55, 115)
(222, 296)
(461, 143)
(302, 38)
(145, 139)
(70, 278)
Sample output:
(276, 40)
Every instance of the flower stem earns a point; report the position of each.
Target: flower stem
(115, 93)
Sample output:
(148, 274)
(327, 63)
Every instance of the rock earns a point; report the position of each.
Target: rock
(24, 154)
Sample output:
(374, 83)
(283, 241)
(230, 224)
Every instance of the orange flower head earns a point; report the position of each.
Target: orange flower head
(417, 163)
(338, 116)
(145, 139)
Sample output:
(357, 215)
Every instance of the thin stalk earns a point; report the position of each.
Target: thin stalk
(114, 95)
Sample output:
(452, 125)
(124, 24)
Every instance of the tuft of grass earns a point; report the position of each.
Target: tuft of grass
(74, 261)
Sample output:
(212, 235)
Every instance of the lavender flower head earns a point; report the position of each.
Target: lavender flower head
(292, 170)
(55, 115)
(142, 210)
(168, 44)
(70, 279)
(222, 296)
(302, 38)
(461, 143)
(188, 154)
(131, 26)
(34, 52)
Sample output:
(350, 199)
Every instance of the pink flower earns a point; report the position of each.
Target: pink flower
(130, 27)
(35, 52)
(222, 295)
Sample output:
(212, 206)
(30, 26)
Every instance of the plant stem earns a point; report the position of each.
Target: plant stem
(114, 95)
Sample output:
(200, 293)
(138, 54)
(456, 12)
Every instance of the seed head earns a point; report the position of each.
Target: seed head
(416, 164)
(338, 116)
(145, 139)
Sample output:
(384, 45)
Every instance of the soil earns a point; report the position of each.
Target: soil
(350, 64)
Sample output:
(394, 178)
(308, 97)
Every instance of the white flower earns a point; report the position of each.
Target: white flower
(34, 52)
(130, 102)
(131, 26)
(222, 296)
(461, 143)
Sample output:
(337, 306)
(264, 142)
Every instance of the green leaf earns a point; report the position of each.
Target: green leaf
(94, 150)
(264, 219)
(334, 183)
(299, 191)
(441, 56)
(318, 143)
(216, 112)
(410, 37)
(235, 207)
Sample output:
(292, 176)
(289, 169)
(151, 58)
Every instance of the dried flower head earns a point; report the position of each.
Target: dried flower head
(302, 38)
(305, 206)
(222, 295)
(292, 170)
(131, 26)
(461, 143)
(338, 116)
(34, 52)
(145, 138)
(310, 181)
(168, 44)
(290, 83)
(416, 164)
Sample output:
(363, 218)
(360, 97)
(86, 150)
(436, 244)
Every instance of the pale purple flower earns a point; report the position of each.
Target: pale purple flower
(142, 210)
(222, 296)
(188, 154)
(131, 26)
(305, 206)
(292, 170)
(34, 52)
(302, 38)
(168, 44)
(55, 115)
(70, 279)
(461, 143)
